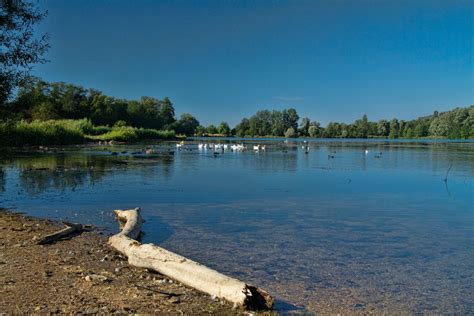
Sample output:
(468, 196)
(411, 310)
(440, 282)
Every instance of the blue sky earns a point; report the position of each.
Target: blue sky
(332, 60)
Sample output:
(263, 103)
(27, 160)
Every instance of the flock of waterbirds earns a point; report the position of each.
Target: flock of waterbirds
(227, 147)
(217, 149)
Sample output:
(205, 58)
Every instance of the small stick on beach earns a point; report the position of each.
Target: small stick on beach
(65, 232)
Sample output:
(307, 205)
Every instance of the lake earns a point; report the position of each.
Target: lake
(326, 228)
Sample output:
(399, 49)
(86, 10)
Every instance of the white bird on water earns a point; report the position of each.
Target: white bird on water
(366, 151)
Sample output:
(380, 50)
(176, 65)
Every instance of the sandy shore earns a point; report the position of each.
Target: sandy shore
(83, 274)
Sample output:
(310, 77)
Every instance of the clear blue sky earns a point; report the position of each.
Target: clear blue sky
(222, 60)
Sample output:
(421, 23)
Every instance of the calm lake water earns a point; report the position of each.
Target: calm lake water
(331, 230)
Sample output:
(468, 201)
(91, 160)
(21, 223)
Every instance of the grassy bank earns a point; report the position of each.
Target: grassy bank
(67, 132)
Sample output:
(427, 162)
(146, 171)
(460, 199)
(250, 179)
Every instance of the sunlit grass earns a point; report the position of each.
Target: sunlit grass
(65, 132)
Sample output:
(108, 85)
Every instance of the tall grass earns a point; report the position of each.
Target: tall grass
(66, 132)
(61, 132)
(120, 134)
(131, 134)
(146, 133)
(99, 130)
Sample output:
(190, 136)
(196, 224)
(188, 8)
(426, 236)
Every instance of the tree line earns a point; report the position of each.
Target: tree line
(456, 123)
(40, 100)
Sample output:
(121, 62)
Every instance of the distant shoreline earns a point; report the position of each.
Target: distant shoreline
(147, 141)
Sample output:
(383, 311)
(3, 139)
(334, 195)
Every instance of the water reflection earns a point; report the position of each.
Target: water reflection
(60, 172)
(433, 156)
(2, 179)
(40, 172)
(336, 229)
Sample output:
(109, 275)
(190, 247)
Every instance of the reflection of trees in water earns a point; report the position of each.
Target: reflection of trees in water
(60, 172)
(283, 161)
(274, 159)
(38, 174)
(437, 157)
(152, 167)
(2, 180)
(429, 156)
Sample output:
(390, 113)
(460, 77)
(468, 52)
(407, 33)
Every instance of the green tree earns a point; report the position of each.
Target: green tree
(290, 119)
(313, 131)
(401, 128)
(278, 128)
(362, 127)
(304, 126)
(200, 131)
(383, 128)
(20, 47)
(467, 128)
(333, 129)
(242, 129)
(211, 129)
(408, 133)
(186, 124)
(394, 126)
(107, 110)
(145, 113)
(261, 123)
(440, 127)
(469, 122)
(224, 129)
(348, 131)
(166, 112)
(421, 126)
(290, 132)
(44, 111)
(31, 93)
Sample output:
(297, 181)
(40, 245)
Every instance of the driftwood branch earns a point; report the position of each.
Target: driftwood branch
(63, 233)
(182, 269)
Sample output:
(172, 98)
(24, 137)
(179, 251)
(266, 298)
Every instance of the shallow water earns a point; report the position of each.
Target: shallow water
(354, 233)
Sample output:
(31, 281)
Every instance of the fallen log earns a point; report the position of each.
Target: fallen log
(181, 269)
(63, 233)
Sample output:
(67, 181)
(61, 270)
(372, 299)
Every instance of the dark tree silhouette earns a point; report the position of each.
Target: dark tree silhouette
(20, 49)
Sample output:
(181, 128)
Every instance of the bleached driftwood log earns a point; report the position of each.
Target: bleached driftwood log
(182, 269)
